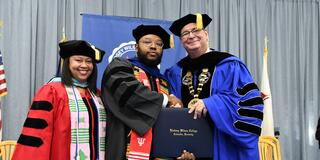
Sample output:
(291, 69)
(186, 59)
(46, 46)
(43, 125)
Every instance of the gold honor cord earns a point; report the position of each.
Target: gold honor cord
(203, 78)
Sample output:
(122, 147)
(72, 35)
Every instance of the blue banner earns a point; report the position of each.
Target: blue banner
(113, 34)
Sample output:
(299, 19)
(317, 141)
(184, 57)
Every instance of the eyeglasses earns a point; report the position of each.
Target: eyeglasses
(149, 43)
(186, 34)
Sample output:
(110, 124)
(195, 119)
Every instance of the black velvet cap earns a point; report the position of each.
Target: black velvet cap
(178, 24)
(80, 47)
(143, 30)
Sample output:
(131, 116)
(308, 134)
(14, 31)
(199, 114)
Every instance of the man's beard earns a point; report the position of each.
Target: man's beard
(151, 63)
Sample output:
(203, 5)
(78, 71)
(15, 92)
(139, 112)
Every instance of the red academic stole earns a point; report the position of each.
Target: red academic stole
(140, 147)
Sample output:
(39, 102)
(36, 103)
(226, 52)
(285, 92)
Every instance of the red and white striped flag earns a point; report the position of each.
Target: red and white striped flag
(3, 84)
(3, 90)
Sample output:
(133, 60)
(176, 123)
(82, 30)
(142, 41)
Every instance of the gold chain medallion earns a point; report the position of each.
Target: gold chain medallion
(192, 102)
(187, 80)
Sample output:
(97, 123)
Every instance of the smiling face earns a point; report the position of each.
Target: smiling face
(149, 49)
(194, 40)
(81, 67)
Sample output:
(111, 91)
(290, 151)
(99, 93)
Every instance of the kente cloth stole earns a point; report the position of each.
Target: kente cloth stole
(80, 133)
(162, 85)
(102, 125)
(140, 147)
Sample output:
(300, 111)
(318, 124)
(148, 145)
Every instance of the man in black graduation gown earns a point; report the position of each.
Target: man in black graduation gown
(134, 91)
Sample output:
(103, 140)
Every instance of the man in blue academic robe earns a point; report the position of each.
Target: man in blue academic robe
(220, 85)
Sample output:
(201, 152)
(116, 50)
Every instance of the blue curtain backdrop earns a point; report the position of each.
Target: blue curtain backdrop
(113, 34)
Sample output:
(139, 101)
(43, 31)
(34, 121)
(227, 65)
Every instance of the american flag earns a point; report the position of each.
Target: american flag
(3, 90)
(3, 84)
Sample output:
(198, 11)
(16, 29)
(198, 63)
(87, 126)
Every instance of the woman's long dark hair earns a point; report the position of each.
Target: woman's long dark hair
(66, 76)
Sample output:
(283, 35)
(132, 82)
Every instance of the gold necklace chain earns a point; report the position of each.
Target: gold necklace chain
(203, 78)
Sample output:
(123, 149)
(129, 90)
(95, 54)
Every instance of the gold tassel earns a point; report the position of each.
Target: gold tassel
(269, 148)
(199, 21)
(171, 41)
(61, 64)
(97, 53)
(64, 37)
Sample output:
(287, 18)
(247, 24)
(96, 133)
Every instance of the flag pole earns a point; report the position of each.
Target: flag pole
(269, 145)
(267, 124)
(63, 39)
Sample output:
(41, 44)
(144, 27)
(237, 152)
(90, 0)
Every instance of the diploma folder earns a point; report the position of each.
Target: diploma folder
(175, 130)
